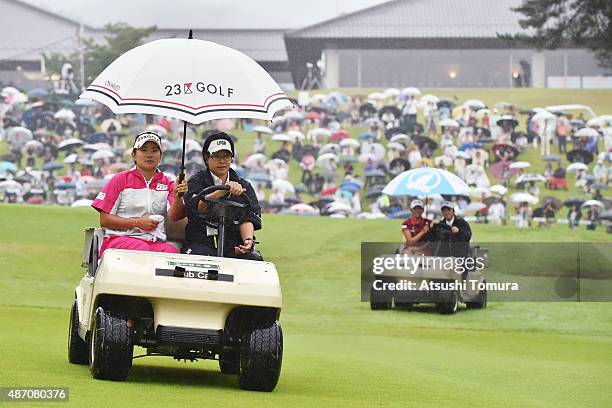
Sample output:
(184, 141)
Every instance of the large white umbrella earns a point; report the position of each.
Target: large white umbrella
(396, 146)
(71, 158)
(283, 185)
(70, 143)
(262, 129)
(319, 132)
(429, 98)
(499, 189)
(520, 165)
(593, 203)
(188, 79)
(600, 121)
(543, 115)
(448, 122)
(330, 148)
(19, 135)
(66, 114)
(411, 91)
(375, 149)
(474, 104)
(281, 137)
(400, 137)
(349, 143)
(586, 132)
(523, 198)
(576, 167)
(326, 157)
(102, 154)
(391, 93)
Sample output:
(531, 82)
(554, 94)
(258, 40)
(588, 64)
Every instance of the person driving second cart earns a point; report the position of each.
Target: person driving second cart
(201, 239)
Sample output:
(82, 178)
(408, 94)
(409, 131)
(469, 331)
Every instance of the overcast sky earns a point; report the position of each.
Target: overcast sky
(204, 13)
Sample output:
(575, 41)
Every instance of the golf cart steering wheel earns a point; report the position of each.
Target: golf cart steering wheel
(223, 203)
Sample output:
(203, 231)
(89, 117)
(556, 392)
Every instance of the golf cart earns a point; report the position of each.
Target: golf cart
(432, 281)
(187, 307)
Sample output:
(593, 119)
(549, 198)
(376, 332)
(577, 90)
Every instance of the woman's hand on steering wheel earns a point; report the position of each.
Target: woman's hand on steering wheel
(235, 188)
(245, 248)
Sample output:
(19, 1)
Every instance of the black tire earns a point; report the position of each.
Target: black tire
(376, 303)
(261, 357)
(77, 348)
(110, 347)
(480, 303)
(404, 305)
(451, 306)
(229, 362)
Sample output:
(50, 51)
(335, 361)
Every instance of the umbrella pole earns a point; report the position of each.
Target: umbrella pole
(182, 174)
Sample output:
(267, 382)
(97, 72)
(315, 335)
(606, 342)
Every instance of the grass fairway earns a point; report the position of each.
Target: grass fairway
(337, 351)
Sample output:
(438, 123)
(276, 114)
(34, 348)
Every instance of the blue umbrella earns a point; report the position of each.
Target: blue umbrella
(375, 173)
(350, 187)
(65, 186)
(8, 166)
(366, 136)
(241, 172)
(426, 181)
(466, 146)
(52, 166)
(38, 93)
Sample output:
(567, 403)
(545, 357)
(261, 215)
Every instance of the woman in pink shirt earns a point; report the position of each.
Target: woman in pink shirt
(134, 203)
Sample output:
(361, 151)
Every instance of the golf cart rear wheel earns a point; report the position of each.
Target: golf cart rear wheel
(376, 303)
(261, 357)
(451, 305)
(229, 362)
(481, 301)
(77, 348)
(110, 347)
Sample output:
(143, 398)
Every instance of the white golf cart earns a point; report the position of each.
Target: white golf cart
(402, 289)
(187, 307)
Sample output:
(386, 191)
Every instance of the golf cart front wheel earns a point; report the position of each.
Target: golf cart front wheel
(451, 305)
(261, 357)
(77, 348)
(229, 362)
(110, 347)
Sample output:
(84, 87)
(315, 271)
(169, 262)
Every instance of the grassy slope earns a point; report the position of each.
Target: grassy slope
(337, 352)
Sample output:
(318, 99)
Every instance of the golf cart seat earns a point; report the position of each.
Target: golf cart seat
(175, 232)
(175, 235)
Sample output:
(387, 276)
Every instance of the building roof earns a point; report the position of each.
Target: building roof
(421, 19)
(261, 45)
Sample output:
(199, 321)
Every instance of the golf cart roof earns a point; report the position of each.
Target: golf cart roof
(574, 106)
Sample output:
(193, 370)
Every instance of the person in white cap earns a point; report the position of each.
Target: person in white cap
(454, 230)
(416, 230)
(135, 202)
(218, 152)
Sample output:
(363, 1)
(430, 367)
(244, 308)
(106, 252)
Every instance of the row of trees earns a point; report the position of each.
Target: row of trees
(120, 38)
